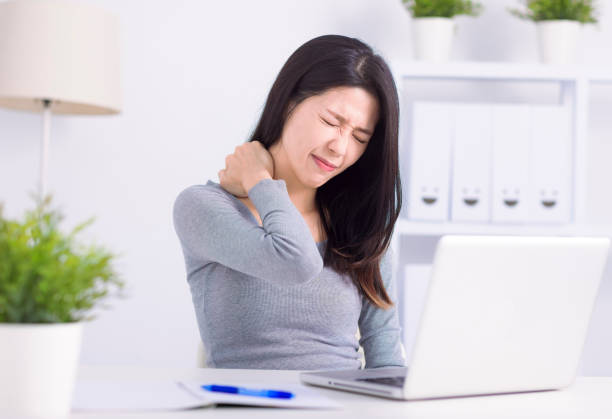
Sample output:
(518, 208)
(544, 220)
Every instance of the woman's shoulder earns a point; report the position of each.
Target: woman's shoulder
(210, 188)
(207, 194)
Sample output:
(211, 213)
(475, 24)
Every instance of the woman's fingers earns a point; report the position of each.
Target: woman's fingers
(248, 162)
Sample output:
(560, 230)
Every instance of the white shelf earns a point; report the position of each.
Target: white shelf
(459, 70)
(574, 80)
(425, 228)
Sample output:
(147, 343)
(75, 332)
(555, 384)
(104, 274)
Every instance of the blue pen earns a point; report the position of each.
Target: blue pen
(273, 394)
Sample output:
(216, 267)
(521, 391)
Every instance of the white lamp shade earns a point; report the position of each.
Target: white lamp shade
(64, 51)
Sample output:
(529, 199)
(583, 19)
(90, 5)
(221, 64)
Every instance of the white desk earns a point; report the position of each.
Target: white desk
(587, 398)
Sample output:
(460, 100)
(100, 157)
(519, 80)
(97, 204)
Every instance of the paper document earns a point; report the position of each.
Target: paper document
(304, 397)
(96, 395)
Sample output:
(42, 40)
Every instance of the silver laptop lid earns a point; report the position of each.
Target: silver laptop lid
(505, 314)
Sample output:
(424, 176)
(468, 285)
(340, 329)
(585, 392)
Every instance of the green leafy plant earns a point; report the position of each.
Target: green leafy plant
(582, 11)
(442, 8)
(45, 275)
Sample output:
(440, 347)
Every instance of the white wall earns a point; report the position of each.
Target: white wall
(195, 78)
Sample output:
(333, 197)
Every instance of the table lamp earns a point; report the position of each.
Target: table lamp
(58, 56)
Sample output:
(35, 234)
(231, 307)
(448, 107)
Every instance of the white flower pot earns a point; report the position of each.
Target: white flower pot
(557, 41)
(38, 365)
(433, 38)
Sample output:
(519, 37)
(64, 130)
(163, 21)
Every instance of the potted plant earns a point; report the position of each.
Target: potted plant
(433, 25)
(48, 282)
(558, 25)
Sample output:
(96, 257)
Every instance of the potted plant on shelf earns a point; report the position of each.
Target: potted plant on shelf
(48, 283)
(433, 25)
(558, 25)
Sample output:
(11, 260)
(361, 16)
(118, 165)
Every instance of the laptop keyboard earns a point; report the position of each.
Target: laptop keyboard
(389, 381)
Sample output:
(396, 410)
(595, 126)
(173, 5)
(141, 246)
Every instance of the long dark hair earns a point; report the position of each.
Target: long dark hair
(358, 207)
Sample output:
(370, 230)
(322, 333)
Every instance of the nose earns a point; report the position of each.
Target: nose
(340, 142)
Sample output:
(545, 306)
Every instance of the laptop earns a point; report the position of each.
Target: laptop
(502, 314)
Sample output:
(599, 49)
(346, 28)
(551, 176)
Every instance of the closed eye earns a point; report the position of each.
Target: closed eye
(332, 125)
(327, 123)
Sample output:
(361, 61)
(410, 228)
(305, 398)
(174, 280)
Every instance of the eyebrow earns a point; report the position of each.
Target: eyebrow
(343, 119)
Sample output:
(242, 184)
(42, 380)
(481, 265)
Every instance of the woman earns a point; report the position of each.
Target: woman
(287, 256)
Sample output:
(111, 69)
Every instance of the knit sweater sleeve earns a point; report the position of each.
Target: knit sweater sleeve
(210, 228)
(379, 328)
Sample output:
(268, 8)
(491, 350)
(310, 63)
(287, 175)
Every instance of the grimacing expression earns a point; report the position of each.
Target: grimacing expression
(335, 126)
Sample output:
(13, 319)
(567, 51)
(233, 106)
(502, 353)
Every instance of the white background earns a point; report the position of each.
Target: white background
(195, 77)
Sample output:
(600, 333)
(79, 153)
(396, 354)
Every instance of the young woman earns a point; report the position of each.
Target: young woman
(288, 256)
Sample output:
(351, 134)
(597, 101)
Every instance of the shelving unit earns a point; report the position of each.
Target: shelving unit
(575, 82)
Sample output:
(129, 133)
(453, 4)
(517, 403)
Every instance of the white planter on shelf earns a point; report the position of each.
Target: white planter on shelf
(38, 365)
(433, 38)
(558, 40)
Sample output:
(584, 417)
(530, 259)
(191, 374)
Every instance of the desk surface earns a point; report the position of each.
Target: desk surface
(588, 397)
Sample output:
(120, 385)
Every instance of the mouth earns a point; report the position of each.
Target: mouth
(323, 164)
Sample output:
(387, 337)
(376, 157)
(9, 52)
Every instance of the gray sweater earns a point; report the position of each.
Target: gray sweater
(263, 298)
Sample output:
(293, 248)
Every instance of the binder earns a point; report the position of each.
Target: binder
(430, 152)
(471, 150)
(550, 164)
(510, 160)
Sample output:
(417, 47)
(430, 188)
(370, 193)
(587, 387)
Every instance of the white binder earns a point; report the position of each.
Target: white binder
(430, 143)
(550, 164)
(471, 150)
(511, 138)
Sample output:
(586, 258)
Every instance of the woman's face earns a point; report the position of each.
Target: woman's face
(335, 126)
